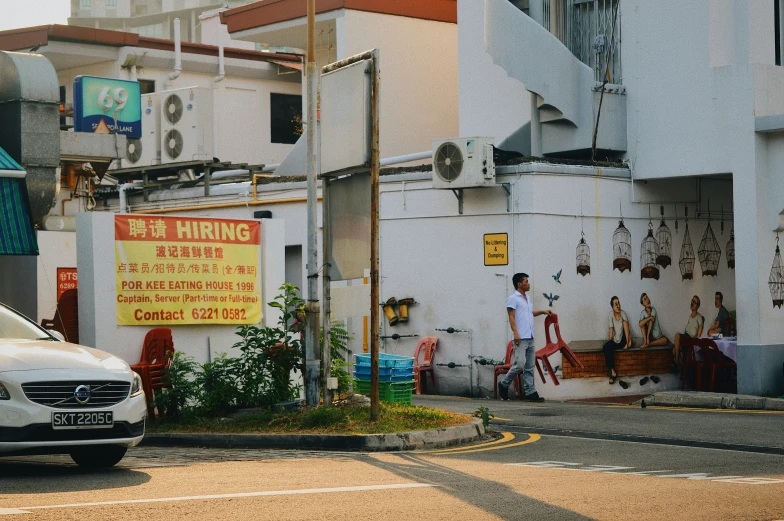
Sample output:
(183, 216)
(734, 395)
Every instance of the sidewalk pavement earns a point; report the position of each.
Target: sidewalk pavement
(429, 439)
(714, 401)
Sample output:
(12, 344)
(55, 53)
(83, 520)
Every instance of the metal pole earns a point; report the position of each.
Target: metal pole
(375, 298)
(312, 304)
(326, 349)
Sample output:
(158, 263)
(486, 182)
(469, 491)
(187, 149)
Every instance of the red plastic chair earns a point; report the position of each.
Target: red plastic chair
(689, 346)
(157, 353)
(66, 317)
(503, 369)
(428, 344)
(714, 359)
(551, 348)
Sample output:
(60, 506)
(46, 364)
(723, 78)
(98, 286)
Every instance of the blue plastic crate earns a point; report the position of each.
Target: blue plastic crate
(385, 374)
(385, 360)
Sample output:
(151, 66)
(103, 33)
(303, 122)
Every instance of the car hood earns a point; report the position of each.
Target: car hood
(27, 355)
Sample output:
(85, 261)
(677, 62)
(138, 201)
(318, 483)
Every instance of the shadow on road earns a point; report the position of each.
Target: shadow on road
(22, 477)
(491, 496)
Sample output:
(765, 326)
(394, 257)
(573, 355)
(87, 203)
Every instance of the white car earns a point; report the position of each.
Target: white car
(58, 398)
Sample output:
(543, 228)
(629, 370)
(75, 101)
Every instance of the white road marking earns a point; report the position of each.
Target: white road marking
(364, 488)
(612, 469)
(669, 446)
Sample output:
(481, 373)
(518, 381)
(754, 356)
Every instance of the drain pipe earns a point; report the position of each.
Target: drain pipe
(123, 197)
(177, 54)
(217, 79)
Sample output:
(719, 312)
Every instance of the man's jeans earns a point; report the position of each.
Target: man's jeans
(525, 348)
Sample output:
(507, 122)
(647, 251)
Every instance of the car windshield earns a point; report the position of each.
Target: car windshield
(13, 325)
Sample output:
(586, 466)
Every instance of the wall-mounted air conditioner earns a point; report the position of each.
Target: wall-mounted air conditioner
(186, 125)
(146, 150)
(463, 163)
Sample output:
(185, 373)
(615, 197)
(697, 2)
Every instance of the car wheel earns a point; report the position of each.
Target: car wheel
(96, 457)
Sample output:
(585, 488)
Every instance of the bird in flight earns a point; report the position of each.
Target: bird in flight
(557, 276)
(551, 298)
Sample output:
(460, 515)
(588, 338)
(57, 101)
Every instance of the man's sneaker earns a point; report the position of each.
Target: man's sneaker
(503, 390)
(533, 397)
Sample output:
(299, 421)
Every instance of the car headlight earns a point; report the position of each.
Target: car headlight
(4, 394)
(136, 386)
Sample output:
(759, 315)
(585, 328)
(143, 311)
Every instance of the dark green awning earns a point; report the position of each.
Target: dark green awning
(17, 236)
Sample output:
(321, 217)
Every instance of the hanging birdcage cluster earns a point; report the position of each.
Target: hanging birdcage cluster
(776, 279)
(686, 260)
(622, 248)
(649, 251)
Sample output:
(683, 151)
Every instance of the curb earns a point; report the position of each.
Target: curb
(714, 401)
(429, 439)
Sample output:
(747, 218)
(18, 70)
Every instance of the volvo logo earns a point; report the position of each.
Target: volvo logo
(83, 394)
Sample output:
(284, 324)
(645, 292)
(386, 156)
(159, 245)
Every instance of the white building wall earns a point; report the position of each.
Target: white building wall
(491, 103)
(432, 253)
(213, 32)
(417, 56)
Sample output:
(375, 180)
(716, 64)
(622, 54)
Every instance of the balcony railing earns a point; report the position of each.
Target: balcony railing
(586, 27)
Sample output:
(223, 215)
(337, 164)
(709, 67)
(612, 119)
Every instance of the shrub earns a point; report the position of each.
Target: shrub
(218, 385)
(184, 390)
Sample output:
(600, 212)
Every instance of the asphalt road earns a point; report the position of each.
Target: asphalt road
(547, 461)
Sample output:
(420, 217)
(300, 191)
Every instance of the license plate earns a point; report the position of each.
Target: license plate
(82, 420)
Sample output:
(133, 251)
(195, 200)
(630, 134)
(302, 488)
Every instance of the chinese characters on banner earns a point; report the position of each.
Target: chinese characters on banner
(186, 270)
(66, 279)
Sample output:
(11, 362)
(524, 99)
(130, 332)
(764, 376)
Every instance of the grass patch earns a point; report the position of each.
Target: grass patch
(348, 419)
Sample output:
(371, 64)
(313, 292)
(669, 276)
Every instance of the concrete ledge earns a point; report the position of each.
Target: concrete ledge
(587, 346)
(429, 439)
(715, 401)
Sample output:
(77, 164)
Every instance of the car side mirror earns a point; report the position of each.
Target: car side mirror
(59, 336)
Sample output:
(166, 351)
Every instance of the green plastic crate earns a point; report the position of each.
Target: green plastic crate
(397, 392)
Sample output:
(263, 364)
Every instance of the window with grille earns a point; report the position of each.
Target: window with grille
(85, 5)
(111, 4)
(285, 118)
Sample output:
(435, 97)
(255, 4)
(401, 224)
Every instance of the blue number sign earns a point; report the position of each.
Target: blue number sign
(104, 105)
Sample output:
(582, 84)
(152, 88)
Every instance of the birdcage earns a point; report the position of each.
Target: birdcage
(731, 251)
(583, 257)
(622, 248)
(649, 250)
(686, 261)
(664, 240)
(709, 252)
(776, 280)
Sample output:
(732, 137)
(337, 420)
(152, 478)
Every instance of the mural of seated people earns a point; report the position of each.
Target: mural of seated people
(649, 325)
(620, 338)
(694, 326)
(718, 325)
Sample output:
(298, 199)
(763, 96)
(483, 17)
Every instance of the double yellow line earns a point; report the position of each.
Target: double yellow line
(503, 443)
(696, 409)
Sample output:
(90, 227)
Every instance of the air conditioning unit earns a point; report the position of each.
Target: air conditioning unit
(146, 150)
(464, 162)
(186, 125)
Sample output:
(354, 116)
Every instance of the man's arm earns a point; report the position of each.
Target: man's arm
(612, 333)
(543, 312)
(511, 312)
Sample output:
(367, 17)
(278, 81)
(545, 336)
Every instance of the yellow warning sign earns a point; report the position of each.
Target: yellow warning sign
(496, 249)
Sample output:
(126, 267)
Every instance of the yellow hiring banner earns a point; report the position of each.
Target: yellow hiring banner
(186, 270)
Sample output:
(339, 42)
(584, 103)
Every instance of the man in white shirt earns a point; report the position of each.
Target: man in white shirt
(521, 319)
